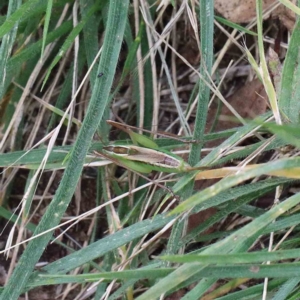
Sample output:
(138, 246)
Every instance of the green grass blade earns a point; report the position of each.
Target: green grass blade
(198, 291)
(17, 60)
(15, 63)
(282, 224)
(264, 72)
(207, 29)
(68, 42)
(289, 133)
(117, 16)
(234, 243)
(240, 195)
(46, 24)
(148, 83)
(287, 270)
(236, 258)
(275, 144)
(66, 90)
(7, 44)
(207, 53)
(235, 26)
(102, 247)
(289, 98)
(291, 6)
(286, 289)
(253, 291)
(240, 133)
(16, 16)
(125, 275)
(212, 157)
(241, 191)
(90, 32)
(231, 181)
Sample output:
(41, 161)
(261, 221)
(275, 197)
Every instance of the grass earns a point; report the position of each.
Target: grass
(105, 232)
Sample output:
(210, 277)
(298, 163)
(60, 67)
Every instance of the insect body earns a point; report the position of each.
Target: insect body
(144, 158)
(147, 159)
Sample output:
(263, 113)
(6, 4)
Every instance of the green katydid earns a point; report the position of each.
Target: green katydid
(144, 158)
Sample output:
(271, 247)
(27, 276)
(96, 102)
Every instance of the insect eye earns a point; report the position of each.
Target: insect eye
(120, 150)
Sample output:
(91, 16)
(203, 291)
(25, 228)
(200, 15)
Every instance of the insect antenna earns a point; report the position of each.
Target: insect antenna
(127, 128)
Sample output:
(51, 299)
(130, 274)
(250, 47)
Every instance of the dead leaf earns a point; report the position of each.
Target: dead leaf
(239, 11)
(286, 16)
(249, 102)
(243, 11)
